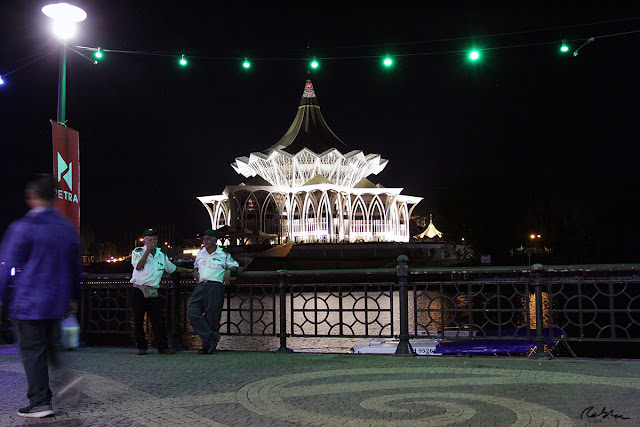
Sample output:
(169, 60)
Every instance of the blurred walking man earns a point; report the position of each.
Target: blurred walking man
(212, 271)
(43, 248)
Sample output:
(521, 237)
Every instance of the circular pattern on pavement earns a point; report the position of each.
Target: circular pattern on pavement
(414, 402)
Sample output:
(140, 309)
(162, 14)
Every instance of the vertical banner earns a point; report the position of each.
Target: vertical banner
(66, 171)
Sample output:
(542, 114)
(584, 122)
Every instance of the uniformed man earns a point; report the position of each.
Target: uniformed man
(212, 270)
(149, 264)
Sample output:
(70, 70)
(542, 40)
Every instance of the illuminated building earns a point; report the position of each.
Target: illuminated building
(430, 232)
(311, 187)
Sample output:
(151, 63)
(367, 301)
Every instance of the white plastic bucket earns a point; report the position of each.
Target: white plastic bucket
(70, 332)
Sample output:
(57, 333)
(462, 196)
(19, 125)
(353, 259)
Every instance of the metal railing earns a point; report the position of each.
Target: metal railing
(588, 303)
(559, 303)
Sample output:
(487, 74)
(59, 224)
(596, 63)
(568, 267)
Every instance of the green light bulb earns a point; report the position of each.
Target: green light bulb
(246, 64)
(474, 55)
(183, 61)
(564, 48)
(388, 62)
(314, 63)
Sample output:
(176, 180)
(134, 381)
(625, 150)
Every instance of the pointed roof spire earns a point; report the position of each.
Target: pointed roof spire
(309, 95)
(431, 230)
(309, 129)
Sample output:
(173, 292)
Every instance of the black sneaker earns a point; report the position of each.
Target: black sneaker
(36, 411)
(142, 351)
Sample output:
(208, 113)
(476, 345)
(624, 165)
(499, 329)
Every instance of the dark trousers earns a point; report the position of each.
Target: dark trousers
(153, 308)
(37, 340)
(205, 309)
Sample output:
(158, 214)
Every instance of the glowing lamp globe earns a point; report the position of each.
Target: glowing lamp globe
(64, 18)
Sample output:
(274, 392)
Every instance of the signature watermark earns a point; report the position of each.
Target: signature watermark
(594, 414)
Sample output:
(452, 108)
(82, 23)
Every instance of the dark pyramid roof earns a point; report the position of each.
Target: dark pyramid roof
(257, 180)
(309, 129)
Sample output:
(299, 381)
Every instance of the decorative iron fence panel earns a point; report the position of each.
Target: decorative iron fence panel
(559, 303)
(250, 310)
(106, 308)
(342, 309)
(598, 310)
(471, 309)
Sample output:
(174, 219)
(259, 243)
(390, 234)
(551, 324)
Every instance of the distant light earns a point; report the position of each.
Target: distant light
(246, 64)
(1, 81)
(183, 61)
(474, 55)
(388, 62)
(314, 63)
(98, 54)
(533, 236)
(13, 271)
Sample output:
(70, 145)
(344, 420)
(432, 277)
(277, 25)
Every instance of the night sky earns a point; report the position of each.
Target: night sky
(523, 123)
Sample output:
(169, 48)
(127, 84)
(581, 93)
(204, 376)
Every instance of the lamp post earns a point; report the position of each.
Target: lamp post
(64, 16)
(533, 237)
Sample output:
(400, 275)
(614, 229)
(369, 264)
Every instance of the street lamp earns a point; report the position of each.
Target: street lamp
(533, 237)
(64, 18)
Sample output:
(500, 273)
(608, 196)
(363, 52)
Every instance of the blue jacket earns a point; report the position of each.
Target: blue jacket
(43, 247)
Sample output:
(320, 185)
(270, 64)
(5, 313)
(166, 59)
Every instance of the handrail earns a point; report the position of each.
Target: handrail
(479, 297)
(418, 270)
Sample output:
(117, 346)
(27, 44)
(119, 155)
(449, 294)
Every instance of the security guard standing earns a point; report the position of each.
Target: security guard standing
(149, 264)
(212, 270)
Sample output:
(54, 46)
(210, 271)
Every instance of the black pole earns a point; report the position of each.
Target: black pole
(402, 271)
(282, 285)
(83, 311)
(176, 333)
(537, 286)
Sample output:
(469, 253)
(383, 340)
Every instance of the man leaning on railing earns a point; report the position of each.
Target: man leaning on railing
(212, 270)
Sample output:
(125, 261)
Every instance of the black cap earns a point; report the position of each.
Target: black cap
(149, 232)
(211, 233)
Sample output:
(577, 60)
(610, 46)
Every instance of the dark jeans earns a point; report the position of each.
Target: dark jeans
(153, 308)
(37, 340)
(205, 309)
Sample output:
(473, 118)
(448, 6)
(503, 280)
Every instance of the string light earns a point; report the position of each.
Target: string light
(564, 48)
(1, 81)
(473, 56)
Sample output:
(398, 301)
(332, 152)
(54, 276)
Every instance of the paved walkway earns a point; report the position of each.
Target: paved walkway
(115, 387)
